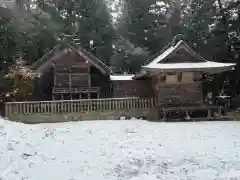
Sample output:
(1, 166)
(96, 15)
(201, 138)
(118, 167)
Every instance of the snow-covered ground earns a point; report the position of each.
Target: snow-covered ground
(112, 150)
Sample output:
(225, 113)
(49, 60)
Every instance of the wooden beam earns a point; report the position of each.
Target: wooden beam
(77, 74)
(70, 80)
(54, 79)
(89, 76)
(209, 113)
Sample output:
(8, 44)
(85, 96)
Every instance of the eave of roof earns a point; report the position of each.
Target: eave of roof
(208, 67)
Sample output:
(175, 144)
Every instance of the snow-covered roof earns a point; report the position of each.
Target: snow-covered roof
(124, 77)
(7, 3)
(208, 66)
(161, 63)
(5, 12)
(173, 49)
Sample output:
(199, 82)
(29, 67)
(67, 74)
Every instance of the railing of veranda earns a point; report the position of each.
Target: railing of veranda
(73, 106)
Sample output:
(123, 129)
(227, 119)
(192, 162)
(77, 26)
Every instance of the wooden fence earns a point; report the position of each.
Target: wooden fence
(73, 106)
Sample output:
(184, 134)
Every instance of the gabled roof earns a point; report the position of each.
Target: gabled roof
(172, 49)
(40, 65)
(161, 62)
(92, 59)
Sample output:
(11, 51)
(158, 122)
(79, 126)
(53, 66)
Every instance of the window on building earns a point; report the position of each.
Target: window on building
(197, 76)
(94, 95)
(75, 96)
(172, 79)
(84, 95)
(79, 69)
(179, 78)
(187, 77)
(162, 78)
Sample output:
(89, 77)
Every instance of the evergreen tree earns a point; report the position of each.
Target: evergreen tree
(128, 58)
(144, 24)
(94, 28)
(88, 20)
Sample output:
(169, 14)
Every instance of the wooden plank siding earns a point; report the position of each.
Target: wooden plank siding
(180, 94)
(177, 89)
(71, 71)
(132, 88)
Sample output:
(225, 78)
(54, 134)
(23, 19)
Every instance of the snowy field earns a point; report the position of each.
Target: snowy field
(121, 150)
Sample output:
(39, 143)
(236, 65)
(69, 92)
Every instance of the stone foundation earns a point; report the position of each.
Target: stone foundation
(150, 114)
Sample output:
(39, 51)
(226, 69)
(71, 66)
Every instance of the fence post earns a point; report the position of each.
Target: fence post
(7, 110)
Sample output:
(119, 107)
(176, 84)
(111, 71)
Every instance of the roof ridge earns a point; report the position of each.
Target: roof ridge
(92, 56)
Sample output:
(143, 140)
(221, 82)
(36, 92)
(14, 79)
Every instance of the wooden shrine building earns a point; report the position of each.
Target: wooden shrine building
(177, 78)
(72, 73)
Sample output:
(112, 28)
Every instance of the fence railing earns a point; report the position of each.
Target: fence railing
(74, 106)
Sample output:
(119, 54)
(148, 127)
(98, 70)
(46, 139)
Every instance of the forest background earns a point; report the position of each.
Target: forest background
(124, 34)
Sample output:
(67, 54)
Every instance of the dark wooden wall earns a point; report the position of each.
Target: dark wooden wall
(71, 71)
(73, 77)
(43, 86)
(185, 94)
(98, 79)
(132, 88)
(178, 89)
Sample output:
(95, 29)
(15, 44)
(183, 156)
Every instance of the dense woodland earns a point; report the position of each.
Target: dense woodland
(124, 34)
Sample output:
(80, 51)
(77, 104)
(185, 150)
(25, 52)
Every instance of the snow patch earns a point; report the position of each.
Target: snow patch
(131, 118)
(123, 77)
(120, 149)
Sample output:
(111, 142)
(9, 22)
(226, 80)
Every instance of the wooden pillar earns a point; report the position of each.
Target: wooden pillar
(61, 96)
(226, 107)
(80, 96)
(187, 114)
(228, 104)
(164, 115)
(219, 111)
(209, 113)
(89, 76)
(89, 96)
(70, 80)
(54, 79)
(53, 97)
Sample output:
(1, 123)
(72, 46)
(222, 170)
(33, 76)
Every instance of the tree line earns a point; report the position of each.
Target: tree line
(126, 35)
